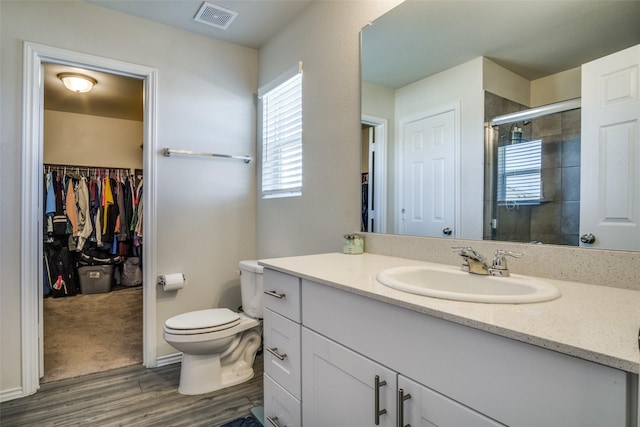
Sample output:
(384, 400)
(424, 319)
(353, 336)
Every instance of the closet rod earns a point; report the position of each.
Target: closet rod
(84, 167)
(169, 151)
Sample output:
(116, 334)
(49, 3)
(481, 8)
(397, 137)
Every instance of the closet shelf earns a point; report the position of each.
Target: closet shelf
(169, 151)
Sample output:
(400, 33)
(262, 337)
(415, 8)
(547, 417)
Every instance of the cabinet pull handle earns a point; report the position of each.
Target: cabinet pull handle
(274, 351)
(274, 294)
(274, 421)
(376, 397)
(401, 398)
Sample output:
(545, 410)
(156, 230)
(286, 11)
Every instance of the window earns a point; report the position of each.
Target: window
(281, 130)
(519, 173)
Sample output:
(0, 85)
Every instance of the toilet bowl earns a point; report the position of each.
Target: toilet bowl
(219, 345)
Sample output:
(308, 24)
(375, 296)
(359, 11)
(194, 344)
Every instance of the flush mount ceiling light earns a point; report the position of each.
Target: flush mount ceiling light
(77, 82)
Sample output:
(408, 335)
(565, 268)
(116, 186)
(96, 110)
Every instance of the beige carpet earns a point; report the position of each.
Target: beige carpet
(92, 333)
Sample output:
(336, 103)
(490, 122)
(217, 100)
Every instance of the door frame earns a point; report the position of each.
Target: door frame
(400, 155)
(380, 126)
(31, 198)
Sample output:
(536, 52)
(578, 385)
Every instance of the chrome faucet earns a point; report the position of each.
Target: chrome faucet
(475, 263)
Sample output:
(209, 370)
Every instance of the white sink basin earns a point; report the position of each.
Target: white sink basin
(451, 283)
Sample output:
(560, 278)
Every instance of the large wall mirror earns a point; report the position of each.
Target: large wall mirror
(454, 92)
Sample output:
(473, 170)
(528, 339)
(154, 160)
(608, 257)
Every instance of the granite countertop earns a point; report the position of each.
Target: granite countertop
(595, 323)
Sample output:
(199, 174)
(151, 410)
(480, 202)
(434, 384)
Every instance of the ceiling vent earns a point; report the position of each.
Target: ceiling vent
(215, 16)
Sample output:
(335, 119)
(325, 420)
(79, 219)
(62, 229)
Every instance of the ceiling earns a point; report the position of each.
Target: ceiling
(256, 22)
(420, 38)
(121, 97)
(416, 39)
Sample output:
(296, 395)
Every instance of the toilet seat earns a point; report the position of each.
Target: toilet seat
(202, 322)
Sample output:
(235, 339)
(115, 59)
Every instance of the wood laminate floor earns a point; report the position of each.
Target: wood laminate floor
(132, 396)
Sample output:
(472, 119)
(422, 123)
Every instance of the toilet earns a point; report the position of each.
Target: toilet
(219, 345)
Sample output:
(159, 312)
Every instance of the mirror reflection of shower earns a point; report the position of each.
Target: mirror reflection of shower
(534, 162)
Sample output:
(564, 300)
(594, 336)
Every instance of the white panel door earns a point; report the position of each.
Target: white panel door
(610, 164)
(338, 386)
(429, 176)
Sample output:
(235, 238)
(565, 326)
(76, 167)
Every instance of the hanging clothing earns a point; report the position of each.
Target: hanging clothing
(85, 228)
(83, 214)
(59, 218)
(121, 227)
(107, 200)
(50, 207)
(71, 208)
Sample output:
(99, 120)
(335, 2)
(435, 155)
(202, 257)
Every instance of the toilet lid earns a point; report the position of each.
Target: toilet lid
(211, 320)
(251, 266)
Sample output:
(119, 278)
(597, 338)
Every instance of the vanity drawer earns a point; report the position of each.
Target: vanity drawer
(282, 351)
(282, 294)
(280, 408)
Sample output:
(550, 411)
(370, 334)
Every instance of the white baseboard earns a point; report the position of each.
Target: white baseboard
(11, 394)
(169, 359)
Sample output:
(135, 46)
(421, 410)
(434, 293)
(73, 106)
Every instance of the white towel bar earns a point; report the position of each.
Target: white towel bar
(169, 151)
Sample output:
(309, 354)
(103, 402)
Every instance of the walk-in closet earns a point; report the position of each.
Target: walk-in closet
(92, 213)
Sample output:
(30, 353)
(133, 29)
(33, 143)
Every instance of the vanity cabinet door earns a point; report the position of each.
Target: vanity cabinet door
(422, 406)
(339, 386)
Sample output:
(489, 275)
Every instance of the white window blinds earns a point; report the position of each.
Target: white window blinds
(281, 105)
(519, 173)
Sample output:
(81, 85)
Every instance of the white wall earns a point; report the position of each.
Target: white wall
(505, 83)
(461, 86)
(533, 93)
(84, 140)
(206, 208)
(556, 87)
(379, 101)
(325, 36)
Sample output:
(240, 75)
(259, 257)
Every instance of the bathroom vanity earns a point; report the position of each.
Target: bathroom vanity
(341, 349)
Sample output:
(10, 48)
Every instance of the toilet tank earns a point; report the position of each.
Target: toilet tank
(251, 288)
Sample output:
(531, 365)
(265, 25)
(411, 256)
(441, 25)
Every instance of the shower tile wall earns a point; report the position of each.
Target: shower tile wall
(556, 220)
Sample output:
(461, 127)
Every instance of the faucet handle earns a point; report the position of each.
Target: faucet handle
(464, 250)
(468, 252)
(499, 261)
(474, 262)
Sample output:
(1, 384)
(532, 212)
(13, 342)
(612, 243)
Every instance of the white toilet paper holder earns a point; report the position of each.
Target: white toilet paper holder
(162, 279)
